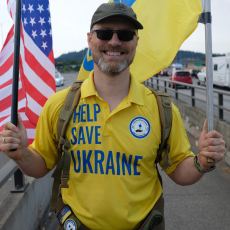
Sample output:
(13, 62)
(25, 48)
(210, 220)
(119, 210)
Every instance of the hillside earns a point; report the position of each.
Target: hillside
(181, 55)
(77, 56)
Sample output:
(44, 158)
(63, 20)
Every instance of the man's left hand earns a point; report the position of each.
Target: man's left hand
(210, 145)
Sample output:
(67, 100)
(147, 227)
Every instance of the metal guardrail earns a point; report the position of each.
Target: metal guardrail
(154, 82)
(10, 169)
(19, 179)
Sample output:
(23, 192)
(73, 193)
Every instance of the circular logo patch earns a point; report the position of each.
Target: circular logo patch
(139, 127)
(70, 225)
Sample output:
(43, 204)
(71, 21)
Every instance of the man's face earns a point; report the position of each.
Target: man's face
(113, 56)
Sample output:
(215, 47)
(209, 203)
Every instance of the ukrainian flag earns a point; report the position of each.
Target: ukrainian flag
(167, 24)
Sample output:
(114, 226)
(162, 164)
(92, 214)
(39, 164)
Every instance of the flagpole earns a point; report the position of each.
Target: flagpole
(19, 178)
(209, 71)
(17, 29)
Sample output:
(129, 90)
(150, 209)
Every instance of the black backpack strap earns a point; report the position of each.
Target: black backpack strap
(61, 173)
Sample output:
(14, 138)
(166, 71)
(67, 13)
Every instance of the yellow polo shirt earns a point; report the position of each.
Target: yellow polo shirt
(113, 181)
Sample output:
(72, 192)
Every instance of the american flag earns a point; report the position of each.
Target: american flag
(37, 67)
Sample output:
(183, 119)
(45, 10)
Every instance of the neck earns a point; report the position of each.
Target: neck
(112, 89)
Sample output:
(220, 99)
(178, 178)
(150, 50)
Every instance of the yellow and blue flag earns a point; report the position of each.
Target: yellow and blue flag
(167, 24)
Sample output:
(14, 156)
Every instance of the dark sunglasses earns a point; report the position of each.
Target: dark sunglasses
(123, 35)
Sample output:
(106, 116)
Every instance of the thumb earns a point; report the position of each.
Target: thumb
(204, 131)
(202, 136)
(20, 123)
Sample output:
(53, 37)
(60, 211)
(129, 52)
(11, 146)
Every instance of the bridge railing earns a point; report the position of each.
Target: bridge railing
(196, 97)
(10, 169)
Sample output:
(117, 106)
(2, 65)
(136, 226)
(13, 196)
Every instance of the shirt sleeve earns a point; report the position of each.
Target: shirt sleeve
(46, 139)
(178, 141)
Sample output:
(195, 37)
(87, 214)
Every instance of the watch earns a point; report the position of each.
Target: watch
(200, 169)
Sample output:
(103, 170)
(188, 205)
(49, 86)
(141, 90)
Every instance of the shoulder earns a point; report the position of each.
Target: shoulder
(53, 105)
(150, 99)
(56, 100)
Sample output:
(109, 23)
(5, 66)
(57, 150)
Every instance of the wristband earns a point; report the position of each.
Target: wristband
(200, 169)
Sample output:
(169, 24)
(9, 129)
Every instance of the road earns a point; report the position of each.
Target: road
(69, 79)
(203, 206)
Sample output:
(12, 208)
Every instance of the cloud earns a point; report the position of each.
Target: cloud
(71, 21)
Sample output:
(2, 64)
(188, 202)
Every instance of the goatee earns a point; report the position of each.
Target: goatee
(109, 68)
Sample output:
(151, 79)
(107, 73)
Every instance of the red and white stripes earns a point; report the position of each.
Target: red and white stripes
(36, 80)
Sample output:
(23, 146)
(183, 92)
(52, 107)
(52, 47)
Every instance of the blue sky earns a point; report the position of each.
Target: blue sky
(71, 20)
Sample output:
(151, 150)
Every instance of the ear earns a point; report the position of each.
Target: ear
(89, 38)
(137, 41)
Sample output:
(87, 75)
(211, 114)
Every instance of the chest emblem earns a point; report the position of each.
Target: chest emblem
(70, 225)
(139, 127)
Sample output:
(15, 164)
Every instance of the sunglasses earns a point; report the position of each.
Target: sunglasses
(123, 35)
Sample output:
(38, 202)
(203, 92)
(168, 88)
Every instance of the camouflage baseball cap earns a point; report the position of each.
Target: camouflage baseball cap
(107, 10)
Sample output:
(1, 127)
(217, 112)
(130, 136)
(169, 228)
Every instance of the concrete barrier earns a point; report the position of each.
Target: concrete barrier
(27, 210)
(196, 118)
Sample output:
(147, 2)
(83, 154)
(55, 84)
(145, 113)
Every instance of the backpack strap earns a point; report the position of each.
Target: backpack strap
(165, 113)
(61, 173)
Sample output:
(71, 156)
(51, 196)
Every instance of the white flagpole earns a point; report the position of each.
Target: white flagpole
(209, 72)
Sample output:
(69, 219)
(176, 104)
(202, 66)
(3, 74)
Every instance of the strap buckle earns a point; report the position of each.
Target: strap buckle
(166, 104)
(64, 183)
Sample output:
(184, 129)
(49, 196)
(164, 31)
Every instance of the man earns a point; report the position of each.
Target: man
(114, 135)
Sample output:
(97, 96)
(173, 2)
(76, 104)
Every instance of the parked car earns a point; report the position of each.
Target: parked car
(194, 72)
(59, 79)
(181, 76)
(164, 72)
(202, 76)
(157, 74)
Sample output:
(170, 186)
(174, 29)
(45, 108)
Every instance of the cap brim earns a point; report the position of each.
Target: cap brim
(137, 24)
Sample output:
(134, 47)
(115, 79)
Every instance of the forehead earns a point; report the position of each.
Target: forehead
(114, 23)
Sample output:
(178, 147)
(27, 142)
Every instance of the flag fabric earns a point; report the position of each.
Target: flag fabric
(36, 66)
(167, 24)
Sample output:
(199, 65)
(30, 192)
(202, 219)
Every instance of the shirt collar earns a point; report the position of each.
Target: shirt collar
(88, 88)
(136, 92)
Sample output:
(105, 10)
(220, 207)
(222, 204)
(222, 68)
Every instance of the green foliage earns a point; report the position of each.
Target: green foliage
(71, 56)
(66, 68)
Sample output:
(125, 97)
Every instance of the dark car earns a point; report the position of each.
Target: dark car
(157, 74)
(180, 76)
(194, 72)
(164, 72)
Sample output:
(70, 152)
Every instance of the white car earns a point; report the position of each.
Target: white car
(202, 76)
(59, 79)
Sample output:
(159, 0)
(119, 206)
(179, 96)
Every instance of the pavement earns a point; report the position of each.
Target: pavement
(202, 206)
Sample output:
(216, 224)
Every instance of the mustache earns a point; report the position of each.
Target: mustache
(113, 48)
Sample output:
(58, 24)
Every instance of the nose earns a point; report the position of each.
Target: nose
(114, 40)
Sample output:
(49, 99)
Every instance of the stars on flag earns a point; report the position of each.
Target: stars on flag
(43, 33)
(37, 23)
(34, 33)
(42, 21)
(44, 45)
(24, 8)
(30, 8)
(32, 21)
(25, 22)
(40, 8)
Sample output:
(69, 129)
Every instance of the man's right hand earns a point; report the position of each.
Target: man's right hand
(13, 137)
